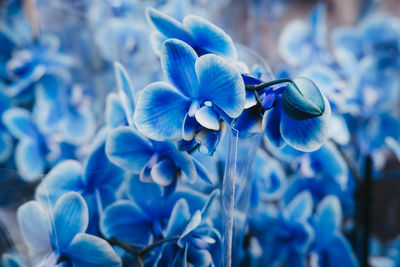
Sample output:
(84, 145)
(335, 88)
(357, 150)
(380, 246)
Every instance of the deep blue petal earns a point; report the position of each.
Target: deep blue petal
(126, 222)
(272, 125)
(300, 208)
(126, 148)
(328, 219)
(6, 146)
(178, 63)
(160, 112)
(179, 217)
(307, 135)
(221, 84)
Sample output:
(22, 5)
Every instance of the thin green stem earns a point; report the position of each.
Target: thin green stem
(258, 87)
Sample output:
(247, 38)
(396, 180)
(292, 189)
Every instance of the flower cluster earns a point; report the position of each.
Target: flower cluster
(138, 134)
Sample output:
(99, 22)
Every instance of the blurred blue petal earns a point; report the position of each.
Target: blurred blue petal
(328, 219)
(272, 123)
(221, 84)
(6, 146)
(19, 123)
(62, 178)
(160, 112)
(87, 250)
(29, 159)
(168, 26)
(301, 207)
(179, 217)
(209, 37)
(34, 225)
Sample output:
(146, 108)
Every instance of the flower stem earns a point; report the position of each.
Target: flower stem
(258, 87)
(139, 254)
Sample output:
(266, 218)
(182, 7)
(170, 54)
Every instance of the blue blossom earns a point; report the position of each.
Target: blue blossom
(62, 109)
(142, 217)
(269, 179)
(203, 36)
(29, 64)
(206, 89)
(305, 42)
(97, 181)
(199, 243)
(296, 114)
(330, 247)
(59, 234)
(34, 151)
(288, 235)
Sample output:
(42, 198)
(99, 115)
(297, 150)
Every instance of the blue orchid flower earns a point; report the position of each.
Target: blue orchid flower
(5, 138)
(97, 181)
(289, 234)
(296, 114)
(330, 247)
(199, 243)
(59, 234)
(34, 151)
(269, 179)
(142, 217)
(62, 109)
(305, 42)
(30, 63)
(203, 36)
(206, 89)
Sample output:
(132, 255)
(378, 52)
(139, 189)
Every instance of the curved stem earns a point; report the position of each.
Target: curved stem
(258, 87)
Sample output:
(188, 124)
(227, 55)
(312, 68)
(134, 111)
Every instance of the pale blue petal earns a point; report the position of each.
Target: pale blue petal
(157, 39)
(163, 172)
(160, 112)
(203, 173)
(306, 135)
(178, 64)
(70, 218)
(207, 118)
(64, 177)
(126, 148)
(19, 123)
(292, 44)
(87, 250)
(200, 257)
(35, 228)
(209, 37)
(168, 26)
(221, 84)
(301, 207)
(126, 222)
(125, 91)
(29, 160)
(115, 113)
